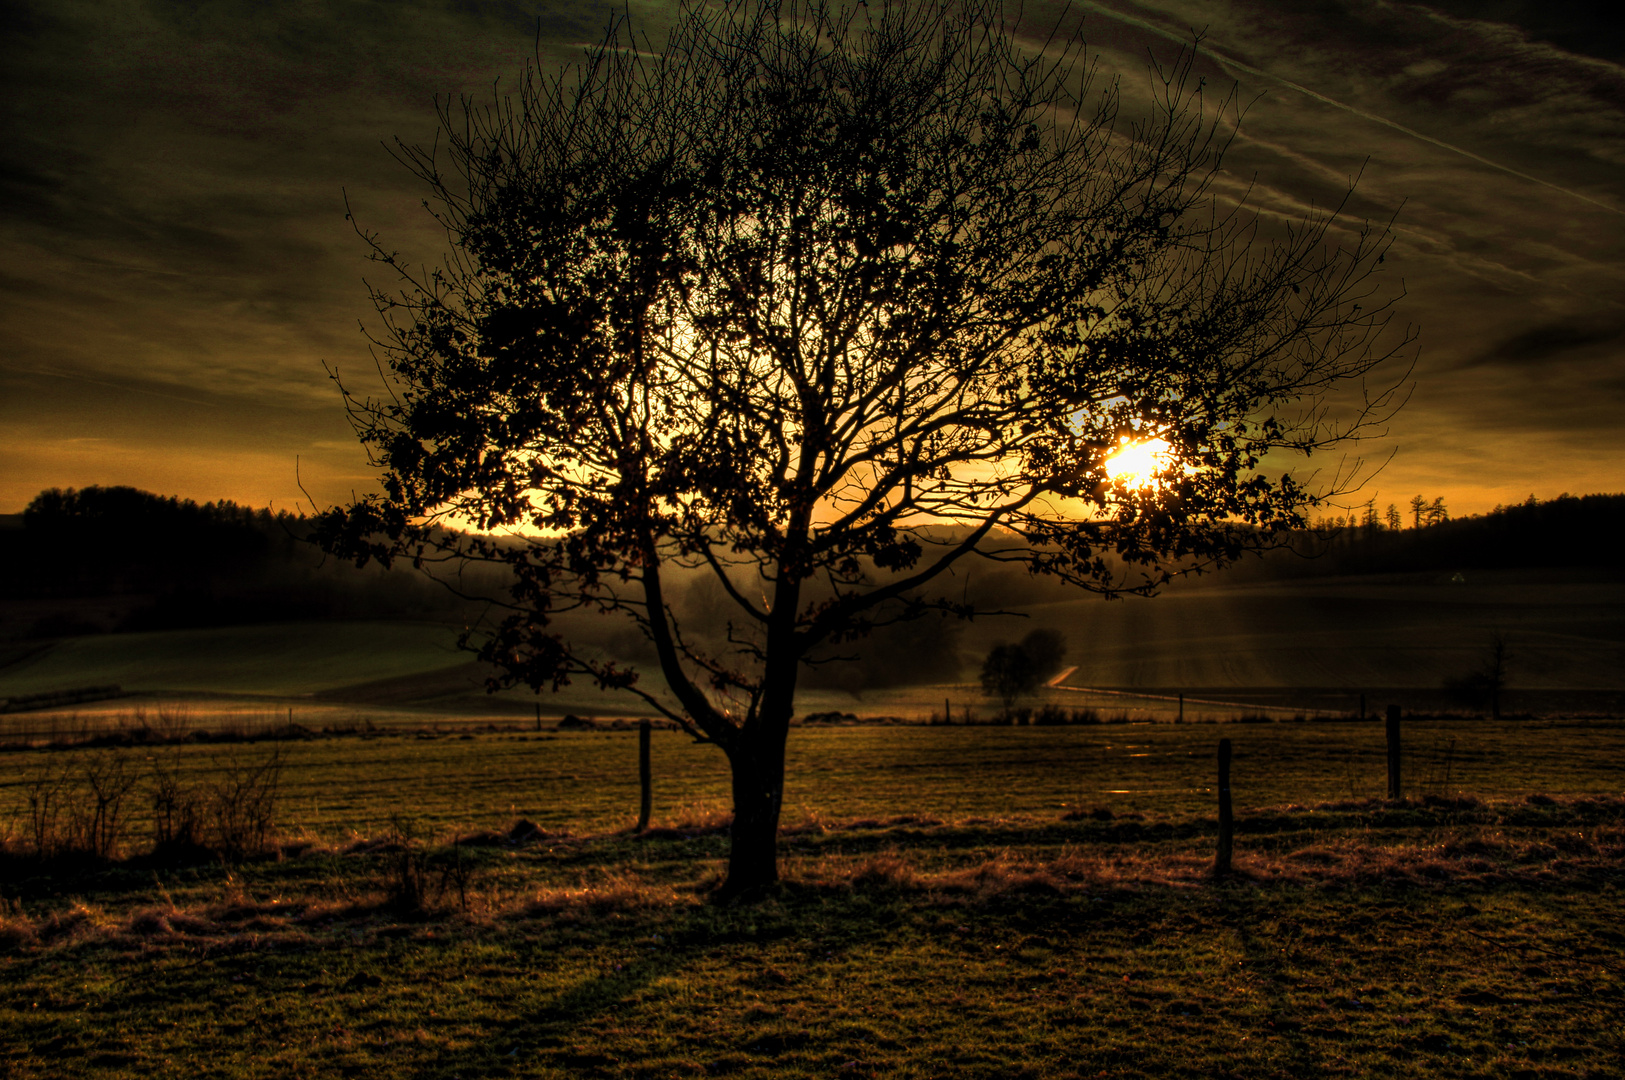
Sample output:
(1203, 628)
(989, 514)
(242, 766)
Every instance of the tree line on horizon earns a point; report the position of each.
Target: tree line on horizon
(175, 563)
(1423, 513)
(157, 562)
(1567, 531)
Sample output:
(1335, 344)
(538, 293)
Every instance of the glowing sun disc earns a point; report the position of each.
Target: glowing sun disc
(1138, 463)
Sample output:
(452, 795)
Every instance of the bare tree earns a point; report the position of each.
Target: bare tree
(1486, 684)
(1493, 673)
(827, 301)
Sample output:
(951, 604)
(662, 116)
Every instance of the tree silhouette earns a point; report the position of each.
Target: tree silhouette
(1047, 650)
(1010, 671)
(827, 302)
(1007, 673)
(1486, 684)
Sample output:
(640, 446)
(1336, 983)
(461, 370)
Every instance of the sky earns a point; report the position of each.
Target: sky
(178, 276)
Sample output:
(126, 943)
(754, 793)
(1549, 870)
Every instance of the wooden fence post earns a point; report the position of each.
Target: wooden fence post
(1393, 752)
(644, 778)
(1227, 824)
(538, 716)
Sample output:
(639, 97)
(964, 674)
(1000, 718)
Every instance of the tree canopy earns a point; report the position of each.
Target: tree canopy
(1011, 671)
(829, 301)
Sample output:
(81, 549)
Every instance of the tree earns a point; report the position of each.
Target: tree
(1008, 673)
(1393, 518)
(1492, 673)
(1487, 682)
(1011, 671)
(1419, 509)
(827, 303)
(1046, 649)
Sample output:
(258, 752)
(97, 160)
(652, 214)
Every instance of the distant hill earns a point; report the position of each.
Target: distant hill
(1568, 531)
(98, 559)
(78, 563)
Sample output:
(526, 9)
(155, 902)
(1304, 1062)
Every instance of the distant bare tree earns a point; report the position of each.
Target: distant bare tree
(1487, 682)
(1493, 673)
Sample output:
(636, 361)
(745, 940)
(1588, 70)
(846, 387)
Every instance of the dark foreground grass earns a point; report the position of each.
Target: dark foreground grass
(1439, 937)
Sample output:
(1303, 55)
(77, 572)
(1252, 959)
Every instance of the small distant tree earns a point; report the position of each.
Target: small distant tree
(1013, 671)
(1046, 649)
(1370, 519)
(827, 301)
(1437, 513)
(1392, 517)
(1008, 673)
(1487, 682)
(1492, 673)
(1419, 508)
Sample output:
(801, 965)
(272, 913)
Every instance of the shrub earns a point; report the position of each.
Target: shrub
(97, 816)
(177, 810)
(79, 809)
(242, 803)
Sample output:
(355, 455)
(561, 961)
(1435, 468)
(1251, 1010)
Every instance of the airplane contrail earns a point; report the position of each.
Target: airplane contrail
(1225, 61)
(127, 387)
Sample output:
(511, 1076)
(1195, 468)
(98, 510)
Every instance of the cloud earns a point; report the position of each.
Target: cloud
(173, 174)
(1552, 340)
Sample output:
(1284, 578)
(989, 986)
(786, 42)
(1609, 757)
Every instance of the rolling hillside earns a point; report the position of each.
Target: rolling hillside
(1268, 627)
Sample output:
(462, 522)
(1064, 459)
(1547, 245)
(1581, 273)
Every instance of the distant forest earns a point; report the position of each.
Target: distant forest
(1568, 531)
(102, 559)
(116, 559)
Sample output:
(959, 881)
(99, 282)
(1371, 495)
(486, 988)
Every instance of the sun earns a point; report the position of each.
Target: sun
(1137, 464)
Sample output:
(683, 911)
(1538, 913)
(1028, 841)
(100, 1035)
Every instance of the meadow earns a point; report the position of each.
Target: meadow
(473, 900)
(320, 849)
(1313, 645)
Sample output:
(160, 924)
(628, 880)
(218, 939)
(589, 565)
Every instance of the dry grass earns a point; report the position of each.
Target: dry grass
(912, 945)
(381, 879)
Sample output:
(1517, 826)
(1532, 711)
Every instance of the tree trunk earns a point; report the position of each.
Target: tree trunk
(757, 759)
(756, 755)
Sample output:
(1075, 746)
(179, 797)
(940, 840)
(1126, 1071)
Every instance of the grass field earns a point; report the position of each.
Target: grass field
(958, 902)
(1319, 642)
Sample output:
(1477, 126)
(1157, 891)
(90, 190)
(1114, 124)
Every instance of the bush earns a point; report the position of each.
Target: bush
(83, 807)
(242, 804)
(177, 810)
(97, 818)
(80, 809)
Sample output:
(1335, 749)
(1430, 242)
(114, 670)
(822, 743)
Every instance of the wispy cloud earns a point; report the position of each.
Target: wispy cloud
(175, 267)
(1231, 64)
